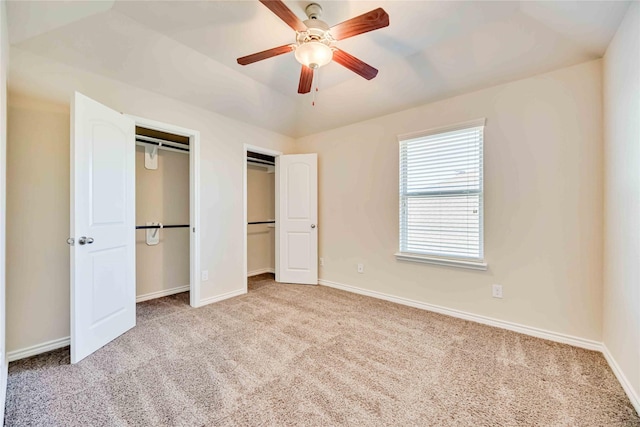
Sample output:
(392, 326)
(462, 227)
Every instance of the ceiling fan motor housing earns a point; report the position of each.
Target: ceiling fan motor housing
(317, 31)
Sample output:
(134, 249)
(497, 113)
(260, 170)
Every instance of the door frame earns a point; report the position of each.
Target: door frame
(194, 198)
(274, 153)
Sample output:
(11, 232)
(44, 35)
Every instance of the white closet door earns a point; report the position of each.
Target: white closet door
(297, 181)
(103, 294)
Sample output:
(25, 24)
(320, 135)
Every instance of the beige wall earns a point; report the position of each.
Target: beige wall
(260, 207)
(162, 195)
(4, 58)
(622, 202)
(37, 222)
(543, 203)
(40, 305)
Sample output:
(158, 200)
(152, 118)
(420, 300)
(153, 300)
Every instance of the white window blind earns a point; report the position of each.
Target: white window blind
(441, 193)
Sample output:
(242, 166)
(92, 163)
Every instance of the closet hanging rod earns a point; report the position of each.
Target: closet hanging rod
(146, 227)
(164, 142)
(162, 147)
(261, 222)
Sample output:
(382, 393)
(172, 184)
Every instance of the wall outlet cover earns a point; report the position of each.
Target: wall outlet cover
(496, 291)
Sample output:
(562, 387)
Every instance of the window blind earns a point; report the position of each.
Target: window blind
(441, 194)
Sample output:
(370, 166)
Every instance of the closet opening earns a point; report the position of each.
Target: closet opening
(166, 217)
(280, 217)
(260, 216)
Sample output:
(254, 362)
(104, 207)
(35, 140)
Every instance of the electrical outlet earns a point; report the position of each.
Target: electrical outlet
(321, 262)
(205, 275)
(497, 291)
(360, 268)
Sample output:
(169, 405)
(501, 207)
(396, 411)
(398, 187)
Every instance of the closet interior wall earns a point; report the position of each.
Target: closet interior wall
(260, 207)
(162, 195)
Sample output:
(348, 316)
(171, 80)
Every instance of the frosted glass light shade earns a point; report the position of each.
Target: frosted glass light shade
(314, 54)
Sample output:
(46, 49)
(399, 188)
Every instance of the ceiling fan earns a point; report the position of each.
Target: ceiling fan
(315, 41)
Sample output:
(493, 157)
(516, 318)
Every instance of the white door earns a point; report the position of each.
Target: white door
(297, 204)
(103, 294)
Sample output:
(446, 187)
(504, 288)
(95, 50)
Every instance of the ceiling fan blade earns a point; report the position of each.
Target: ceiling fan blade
(284, 13)
(354, 64)
(250, 59)
(306, 80)
(369, 21)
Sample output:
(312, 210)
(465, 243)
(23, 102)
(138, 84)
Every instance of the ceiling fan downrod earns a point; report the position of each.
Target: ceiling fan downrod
(313, 11)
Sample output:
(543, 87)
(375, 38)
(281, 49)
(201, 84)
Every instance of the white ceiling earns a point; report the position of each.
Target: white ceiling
(432, 49)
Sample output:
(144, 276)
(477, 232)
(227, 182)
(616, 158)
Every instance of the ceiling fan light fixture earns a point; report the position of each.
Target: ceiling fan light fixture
(313, 54)
(315, 41)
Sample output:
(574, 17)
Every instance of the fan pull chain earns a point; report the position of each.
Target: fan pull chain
(314, 83)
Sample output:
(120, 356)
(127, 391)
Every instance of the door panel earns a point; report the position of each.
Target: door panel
(108, 284)
(103, 215)
(299, 260)
(108, 163)
(297, 180)
(298, 191)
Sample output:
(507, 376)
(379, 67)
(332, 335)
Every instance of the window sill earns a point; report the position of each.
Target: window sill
(402, 256)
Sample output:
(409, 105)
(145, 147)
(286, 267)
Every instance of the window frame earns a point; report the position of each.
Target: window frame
(451, 261)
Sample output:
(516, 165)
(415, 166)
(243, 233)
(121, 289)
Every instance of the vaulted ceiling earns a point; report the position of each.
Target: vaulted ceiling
(187, 50)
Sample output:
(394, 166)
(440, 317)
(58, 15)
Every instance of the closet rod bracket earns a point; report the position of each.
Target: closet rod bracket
(151, 156)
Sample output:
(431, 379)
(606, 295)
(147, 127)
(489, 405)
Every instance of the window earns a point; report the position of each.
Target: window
(441, 196)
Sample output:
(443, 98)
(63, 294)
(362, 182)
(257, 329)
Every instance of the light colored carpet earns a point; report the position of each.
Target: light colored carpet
(311, 355)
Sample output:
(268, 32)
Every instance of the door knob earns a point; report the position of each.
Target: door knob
(313, 226)
(85, 240)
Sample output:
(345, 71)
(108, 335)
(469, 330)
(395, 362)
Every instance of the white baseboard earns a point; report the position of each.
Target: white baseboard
(63, 342)
(38, 349)
(516, 327)
(4, 365)
(527, 330)
(163, 293)
(626, 385)
(221, 297)
(261, 271)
